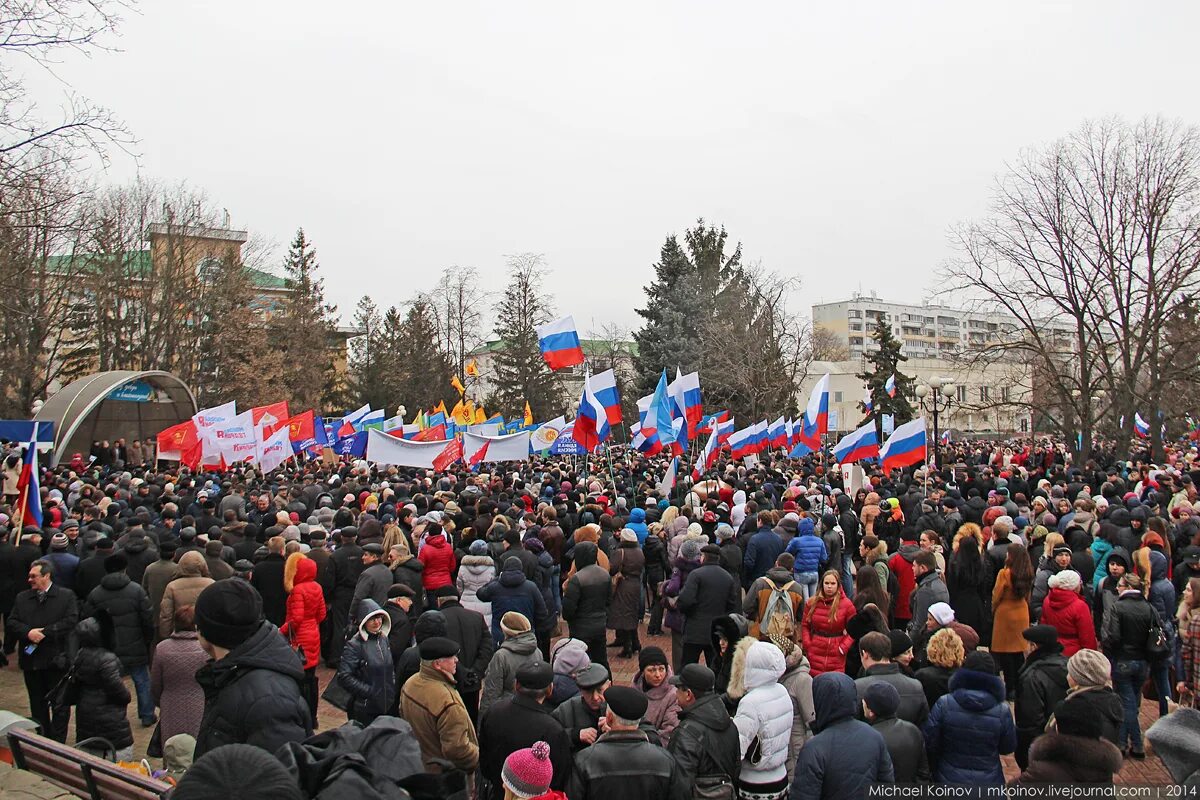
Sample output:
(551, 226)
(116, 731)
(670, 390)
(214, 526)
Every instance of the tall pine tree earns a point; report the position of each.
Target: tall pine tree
(364, 375)
(304, 331)
(422, 370)
(886, 362)
(521, 374)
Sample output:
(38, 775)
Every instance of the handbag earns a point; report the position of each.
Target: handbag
(754, 752)
(337, 695)
(713, 787)
(65, 692)
(1158, 645)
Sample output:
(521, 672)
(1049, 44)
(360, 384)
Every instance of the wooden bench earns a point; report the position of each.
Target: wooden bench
(80, 773)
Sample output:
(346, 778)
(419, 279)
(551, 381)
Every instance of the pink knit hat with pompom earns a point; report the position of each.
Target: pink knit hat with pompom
(528, 772)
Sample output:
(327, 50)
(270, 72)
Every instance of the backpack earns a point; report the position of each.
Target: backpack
(779, 613)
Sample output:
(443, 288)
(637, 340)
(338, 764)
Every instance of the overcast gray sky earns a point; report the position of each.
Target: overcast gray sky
(836, 141)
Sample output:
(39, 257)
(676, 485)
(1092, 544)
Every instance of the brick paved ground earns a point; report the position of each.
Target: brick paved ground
(13, 698)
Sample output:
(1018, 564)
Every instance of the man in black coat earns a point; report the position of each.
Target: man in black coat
(517, 722)
(91, 569)
(876, 652)
(41, 619)
(15, 561)
(706, 745)
(252, 687)
(470, 630)
(1041, 685)
(708, 593)
(585, 602)
(347, 565)
(905, 742)
(267, 578)
(133, 627)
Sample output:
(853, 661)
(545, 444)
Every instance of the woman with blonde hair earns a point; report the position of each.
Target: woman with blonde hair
(972, 530)
(945, 654)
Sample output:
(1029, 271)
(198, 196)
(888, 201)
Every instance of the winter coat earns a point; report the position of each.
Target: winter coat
(179, 698)
(1041, 686)
(438, 557)
(761, 551)
(1126, 627)
(657, 564)
(586, 598)
(516, 723)
(969, 729)
(824, 635)
(846, 756)
(252, 695)
(1101, 702)
(914, 707)
(475, 572)
(764, 710)
(183, 591)
(935, 681)
(754, 605)
(901, 566)
(155, 580)
(411, 572)
(970, 599)
(1010, 615)
(706, 743)
(140, 555)
(267, 578)
(906, 746)
(1071, 617)
(672, 616)
(100, 695)
(663, 709)
(474, 636)
(501, 674)
(797, 679)
(305, 608)
(637, 524)
(56, 614)
(372, 584)
(808, 548)
(930, 589)
(366, 669)
(625, 764)
(63, 566)
(512, 591)
(129, 608)
(1070, 760)
(624, 611)
(430, 704)
(710, 592)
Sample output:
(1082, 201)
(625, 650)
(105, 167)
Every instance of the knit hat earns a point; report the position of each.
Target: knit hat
(942, 612)
(478, 548)
(628, 535)
(901, 643)
(1067, 579)
(58, 541)
(527, 772)
(220, 774)
(690, 550)
(1089, 668)
(1077, 719)
(980, 661)
(228, 613)
(650, 656)
(513, 623)
(724, 531)
(569, 656)
(882, 698)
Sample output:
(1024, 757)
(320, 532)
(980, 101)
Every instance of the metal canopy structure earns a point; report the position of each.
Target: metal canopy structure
(120, 404)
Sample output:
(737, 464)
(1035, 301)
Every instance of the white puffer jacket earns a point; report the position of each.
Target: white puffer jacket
(474, 573)
(764, 711)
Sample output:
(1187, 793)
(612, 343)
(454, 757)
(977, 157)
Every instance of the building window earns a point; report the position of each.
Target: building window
(983, 394)
(1024, 424)
(1004, 393)
(962, 393)
(837, 397)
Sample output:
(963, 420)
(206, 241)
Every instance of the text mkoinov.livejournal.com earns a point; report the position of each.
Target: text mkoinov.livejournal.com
(1063, 791)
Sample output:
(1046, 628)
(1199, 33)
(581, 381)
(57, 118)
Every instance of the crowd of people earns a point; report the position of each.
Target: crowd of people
(823, 637)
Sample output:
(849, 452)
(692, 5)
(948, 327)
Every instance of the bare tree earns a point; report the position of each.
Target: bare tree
(458, 305)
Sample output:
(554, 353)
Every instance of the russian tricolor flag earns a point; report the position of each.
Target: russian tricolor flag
(905, 447)
(1140, 426)
(708, 456)
(890, 385)
(862, 443)
(777, 433)
(742, 443)
(28, 508)
(868, 401)
(685, 392)
(604, 386)
(816, 415)
(559, 342)
(351, 420)
(591, 425)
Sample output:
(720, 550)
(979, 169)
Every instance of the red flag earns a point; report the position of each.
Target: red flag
(300, 427)
(479, 455)
(273, 416)
(178, 438)
(434, 434)
(452, 453)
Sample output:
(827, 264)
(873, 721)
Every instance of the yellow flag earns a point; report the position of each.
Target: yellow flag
(457, 384)
(480, 416)
(469, 412)
(528, 414)
(441, 407)
(472, 369)
(456, 413)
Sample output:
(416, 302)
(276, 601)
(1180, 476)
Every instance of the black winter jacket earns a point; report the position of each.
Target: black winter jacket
(625, 764)
(56, 615)
(512, 724)
(267, 578)
(708, 593)
(906, 746)
(706, 743)
(914, 707)
(1126, 626)
(133, 619)
(366, 669)
(470, 630)
(585, 601)
(1041, 685)
(100, 696)
(252, 695)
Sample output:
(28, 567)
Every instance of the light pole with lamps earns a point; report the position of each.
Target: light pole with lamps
(935, 396)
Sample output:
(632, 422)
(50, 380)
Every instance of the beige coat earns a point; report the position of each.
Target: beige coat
(430, 704)
(183, 591)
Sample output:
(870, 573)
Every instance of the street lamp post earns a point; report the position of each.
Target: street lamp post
(935, 396)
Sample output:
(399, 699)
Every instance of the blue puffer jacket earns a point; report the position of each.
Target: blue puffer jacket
(969, 729)
(512, 591)
(808, 548)
(637, 524)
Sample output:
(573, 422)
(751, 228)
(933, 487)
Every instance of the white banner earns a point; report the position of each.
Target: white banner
(514, 447)
(275, 450)
(385, 449)
(236, 439)
(209, 417)
(485, 428)
(547, 434)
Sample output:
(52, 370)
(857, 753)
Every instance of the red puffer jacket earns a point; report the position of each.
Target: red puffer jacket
(1071, 617)
(305, 607)
(438, 557)
(824, 633)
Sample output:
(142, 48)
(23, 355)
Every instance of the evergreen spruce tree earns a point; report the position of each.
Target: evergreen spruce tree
(418, 371)
(365, 376)
(238, 361)
(521, 374)
(304, 331)
(886, 362)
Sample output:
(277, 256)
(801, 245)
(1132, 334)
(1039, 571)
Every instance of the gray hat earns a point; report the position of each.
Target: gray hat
(591, 676)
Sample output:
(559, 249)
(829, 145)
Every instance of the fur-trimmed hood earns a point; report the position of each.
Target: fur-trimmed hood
(1088, 760)
(299, 568)
(976, 691)
(754, 666)
(737, 672)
